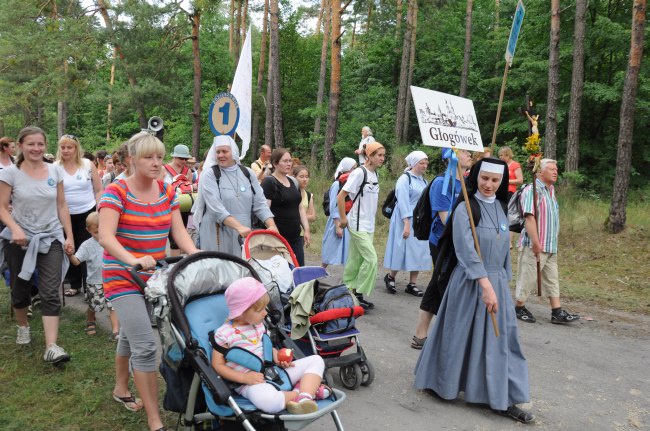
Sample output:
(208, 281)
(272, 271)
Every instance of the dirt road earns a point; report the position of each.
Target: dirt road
(592, 375)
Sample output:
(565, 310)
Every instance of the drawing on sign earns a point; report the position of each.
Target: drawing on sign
(447, 117)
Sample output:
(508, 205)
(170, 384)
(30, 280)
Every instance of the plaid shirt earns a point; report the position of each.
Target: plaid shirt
(548, 216)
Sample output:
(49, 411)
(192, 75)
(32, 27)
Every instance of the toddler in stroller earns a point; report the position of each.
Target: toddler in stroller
(240, 345)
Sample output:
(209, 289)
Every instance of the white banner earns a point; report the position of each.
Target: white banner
(446, 120)
(242, 89)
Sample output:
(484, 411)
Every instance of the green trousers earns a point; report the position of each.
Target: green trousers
(361, 267)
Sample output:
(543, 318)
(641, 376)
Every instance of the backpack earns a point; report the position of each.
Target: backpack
(516, 216)
(330, 293)
(180, 182)
(422, 219)
(255, 222)
(388, 206)
(447, 259)
(342, 179)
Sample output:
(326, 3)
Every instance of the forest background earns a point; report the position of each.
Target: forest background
(99, 69)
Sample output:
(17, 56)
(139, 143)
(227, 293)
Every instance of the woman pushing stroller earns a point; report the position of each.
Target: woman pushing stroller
(244, 329)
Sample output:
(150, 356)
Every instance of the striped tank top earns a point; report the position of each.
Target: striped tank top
(142, 230)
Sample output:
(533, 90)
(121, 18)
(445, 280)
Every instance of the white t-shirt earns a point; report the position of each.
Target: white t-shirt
(362, 154)
(92, 253)
(34, 201)
(79, 192)
(366, 205)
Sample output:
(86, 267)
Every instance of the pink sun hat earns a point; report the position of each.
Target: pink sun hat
(241, 294)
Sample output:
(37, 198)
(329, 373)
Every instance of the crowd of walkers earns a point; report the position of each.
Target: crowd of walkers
(89, 223)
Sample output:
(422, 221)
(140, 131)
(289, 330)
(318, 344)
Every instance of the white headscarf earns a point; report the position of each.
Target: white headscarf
(344, 166)
(414, 158)
(219, 141)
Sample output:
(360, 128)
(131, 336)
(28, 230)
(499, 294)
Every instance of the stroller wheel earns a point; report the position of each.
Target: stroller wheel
(351, 376)
(368, 372)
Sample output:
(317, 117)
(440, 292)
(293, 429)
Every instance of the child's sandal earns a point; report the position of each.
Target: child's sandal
(91, 328)
(323, 392)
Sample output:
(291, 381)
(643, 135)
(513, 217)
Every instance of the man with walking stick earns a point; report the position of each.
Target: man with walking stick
(539, 244)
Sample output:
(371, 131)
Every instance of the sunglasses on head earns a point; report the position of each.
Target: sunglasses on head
(73, 137)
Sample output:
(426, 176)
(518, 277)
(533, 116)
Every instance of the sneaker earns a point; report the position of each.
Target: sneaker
(390, 284)
(303, 404)
(524, 315)
(55, 355)
(563, 316)
(23, 336)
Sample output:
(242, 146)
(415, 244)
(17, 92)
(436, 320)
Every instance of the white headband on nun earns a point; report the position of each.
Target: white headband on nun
(492, 168)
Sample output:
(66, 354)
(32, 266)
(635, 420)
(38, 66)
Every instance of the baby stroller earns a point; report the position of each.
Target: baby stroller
(354, 369)
(188, 302)
(272, 258)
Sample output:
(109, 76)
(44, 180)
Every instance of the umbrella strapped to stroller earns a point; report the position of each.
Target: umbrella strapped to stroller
(192, 306)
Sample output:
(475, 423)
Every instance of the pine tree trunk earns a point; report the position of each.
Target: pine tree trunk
(370, 4)
(577, 82)
(268, 127)
(196, 109)
(320, 16)
(403, 75)
(260, 79)
(550, 133)
(468, 49)
(617, 212)
(354, 32)
(321, 81)
(274, 70)
(497, 13)
(61, 117)
(244, 16)
(237, 32)
(231, 28)
(398, 37)
(133, 83)
(407, 110)
(335, 83)
(109, 109)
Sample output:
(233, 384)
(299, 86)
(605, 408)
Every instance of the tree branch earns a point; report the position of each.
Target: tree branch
(345, 7)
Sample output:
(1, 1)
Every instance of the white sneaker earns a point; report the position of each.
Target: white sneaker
(23, 336)
(55, 355)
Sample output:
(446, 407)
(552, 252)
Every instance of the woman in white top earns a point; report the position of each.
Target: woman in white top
(83, 188)
(7, 148)
(366, 138)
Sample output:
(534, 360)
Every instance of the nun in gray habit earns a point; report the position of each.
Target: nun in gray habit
(462, 352)
(222, 211)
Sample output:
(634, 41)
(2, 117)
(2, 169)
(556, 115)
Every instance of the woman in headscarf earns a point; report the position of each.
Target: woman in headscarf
(224, 207)
(336, 241)
(462, 352)
(404, 252)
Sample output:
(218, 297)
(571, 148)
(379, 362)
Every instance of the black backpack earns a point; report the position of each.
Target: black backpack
(391, 200)
(447, 259)
(422, 218)
(255, 222)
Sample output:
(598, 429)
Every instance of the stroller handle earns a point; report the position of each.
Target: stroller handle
(159, 264)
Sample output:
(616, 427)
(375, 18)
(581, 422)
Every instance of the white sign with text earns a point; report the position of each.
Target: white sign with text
(446, 121)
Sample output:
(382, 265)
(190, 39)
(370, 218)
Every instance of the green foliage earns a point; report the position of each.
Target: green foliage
(156, 50)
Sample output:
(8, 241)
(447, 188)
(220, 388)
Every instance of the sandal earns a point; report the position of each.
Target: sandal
(413, 290)
(517, 414)
(129, 402)
(115, 336)
(91, 328)
(418, 343)
(71, 292)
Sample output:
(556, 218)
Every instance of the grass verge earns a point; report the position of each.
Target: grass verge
(75, 396)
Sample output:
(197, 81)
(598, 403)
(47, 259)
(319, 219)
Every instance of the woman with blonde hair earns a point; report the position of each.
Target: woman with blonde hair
(136, 215)
(82, 187)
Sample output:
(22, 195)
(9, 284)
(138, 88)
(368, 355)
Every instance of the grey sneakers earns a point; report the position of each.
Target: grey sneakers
(55, 355)
(23, 337)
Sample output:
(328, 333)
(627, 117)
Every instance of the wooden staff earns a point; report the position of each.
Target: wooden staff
(496, 121)
(473, 227)
(536, 215)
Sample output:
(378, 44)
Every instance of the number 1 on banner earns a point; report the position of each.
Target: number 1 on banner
(225, 111)
(224, 114)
